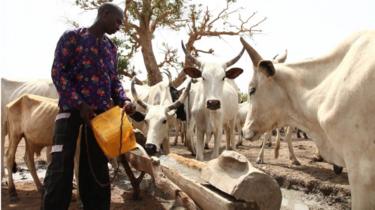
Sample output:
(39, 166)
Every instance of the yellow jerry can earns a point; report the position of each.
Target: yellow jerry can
(106, 128)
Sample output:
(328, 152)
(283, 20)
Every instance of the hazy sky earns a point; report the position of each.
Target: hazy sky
(307, 28)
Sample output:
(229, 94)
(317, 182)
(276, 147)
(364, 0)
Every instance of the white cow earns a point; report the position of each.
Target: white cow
(11, 90)
(215, 102)
(31, 117)
(159, 112)
(331, 97)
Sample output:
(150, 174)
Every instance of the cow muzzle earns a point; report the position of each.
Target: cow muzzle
(248, 134)
(213, 104)
(151, 149)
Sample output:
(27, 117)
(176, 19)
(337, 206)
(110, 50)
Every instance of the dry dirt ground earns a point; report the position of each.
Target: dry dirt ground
(314, 181)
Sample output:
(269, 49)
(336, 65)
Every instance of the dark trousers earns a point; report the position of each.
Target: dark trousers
(93, 168)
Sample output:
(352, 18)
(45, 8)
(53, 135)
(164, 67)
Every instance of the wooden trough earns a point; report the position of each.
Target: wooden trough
(228, 182)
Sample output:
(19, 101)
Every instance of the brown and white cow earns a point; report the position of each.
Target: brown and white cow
(332, 98)
(214, 105)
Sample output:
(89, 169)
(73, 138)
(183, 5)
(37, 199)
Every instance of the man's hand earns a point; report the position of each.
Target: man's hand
(86, 112)
(129, 107)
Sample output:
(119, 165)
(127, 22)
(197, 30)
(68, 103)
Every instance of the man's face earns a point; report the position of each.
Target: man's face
(113, 21)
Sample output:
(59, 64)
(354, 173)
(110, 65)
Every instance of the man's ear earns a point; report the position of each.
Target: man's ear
(233, 73)
(193, 72)
(266, 67)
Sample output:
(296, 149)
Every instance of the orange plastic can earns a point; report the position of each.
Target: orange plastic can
(106, 128)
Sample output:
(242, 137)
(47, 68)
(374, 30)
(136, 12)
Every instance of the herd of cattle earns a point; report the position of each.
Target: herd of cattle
(331, 97)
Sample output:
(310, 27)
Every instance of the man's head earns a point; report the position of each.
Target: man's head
(110, 17)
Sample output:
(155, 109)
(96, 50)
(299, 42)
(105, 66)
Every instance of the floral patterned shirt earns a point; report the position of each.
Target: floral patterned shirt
(84, 70)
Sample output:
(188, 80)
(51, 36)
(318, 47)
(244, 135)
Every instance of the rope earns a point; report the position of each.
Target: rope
(89, 158)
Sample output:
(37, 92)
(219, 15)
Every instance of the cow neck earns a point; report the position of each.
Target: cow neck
(301, 112)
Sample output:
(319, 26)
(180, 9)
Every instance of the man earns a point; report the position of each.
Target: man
(84, 73)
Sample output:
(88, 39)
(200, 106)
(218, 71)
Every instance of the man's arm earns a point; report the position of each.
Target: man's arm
(62, 75)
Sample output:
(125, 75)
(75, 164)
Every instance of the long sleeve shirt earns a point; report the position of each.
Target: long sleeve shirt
(85, 70)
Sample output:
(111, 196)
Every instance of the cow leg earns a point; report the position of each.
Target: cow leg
(48, 154)
(166, 146)
(218, 134)
(2, 150)
(260, 158)
(10, 157)
(292, 156)
(277, 146)
(239, 138)
(29, 160)
(189, 140)
(183, 132)
(362, 190)
(199, 145)
(177, 132)
(208, 138)
(229, 131)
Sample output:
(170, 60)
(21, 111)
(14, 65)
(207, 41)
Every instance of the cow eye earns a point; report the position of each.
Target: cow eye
(164, 121)
(203, 78)
(223, 78)
(252, 91)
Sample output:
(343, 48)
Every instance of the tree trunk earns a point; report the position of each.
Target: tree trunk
(153, 73)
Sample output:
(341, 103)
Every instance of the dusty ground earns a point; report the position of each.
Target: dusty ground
(315, 182)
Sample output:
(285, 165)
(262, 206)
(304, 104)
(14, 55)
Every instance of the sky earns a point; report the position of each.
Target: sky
(308, 28)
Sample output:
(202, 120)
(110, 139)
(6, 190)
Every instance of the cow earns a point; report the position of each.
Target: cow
(330, 97)
(159, 112)
(31, 117)
(214, 105)
(11, 90)
(288, 137)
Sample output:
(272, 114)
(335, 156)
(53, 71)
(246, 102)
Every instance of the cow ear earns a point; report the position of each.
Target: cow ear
(138, 116)
(193, 72)
(233, 73)
(266, 67)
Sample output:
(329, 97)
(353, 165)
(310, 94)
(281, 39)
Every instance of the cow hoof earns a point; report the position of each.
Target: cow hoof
(259, 161)
(239, 144)
(337, 169)
(296, 163)
(206, 146)
(317, 158)
(13, 198)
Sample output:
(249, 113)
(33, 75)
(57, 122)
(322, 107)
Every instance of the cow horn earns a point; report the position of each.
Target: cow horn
(135, 95)
(187, 54)
(168, 73)
(234, 60)
(255, 57)
(181, 99)
(281, 58)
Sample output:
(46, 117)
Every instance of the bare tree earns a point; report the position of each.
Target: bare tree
(143, 17)
(215, 25)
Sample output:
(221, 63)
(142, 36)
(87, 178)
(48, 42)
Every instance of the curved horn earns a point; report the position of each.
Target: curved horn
(281, 58)
(255, 57)
(187, 54)
(235, 59)
(135, 95)
(181, 99)
(168, 73)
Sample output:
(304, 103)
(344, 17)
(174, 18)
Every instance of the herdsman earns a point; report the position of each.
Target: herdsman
(85, 75)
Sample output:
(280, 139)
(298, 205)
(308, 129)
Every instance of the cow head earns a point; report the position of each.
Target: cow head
(157, 117)
(213, 76)
(267, 98)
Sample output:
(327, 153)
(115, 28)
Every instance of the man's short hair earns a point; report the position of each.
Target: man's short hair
(110, 7)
